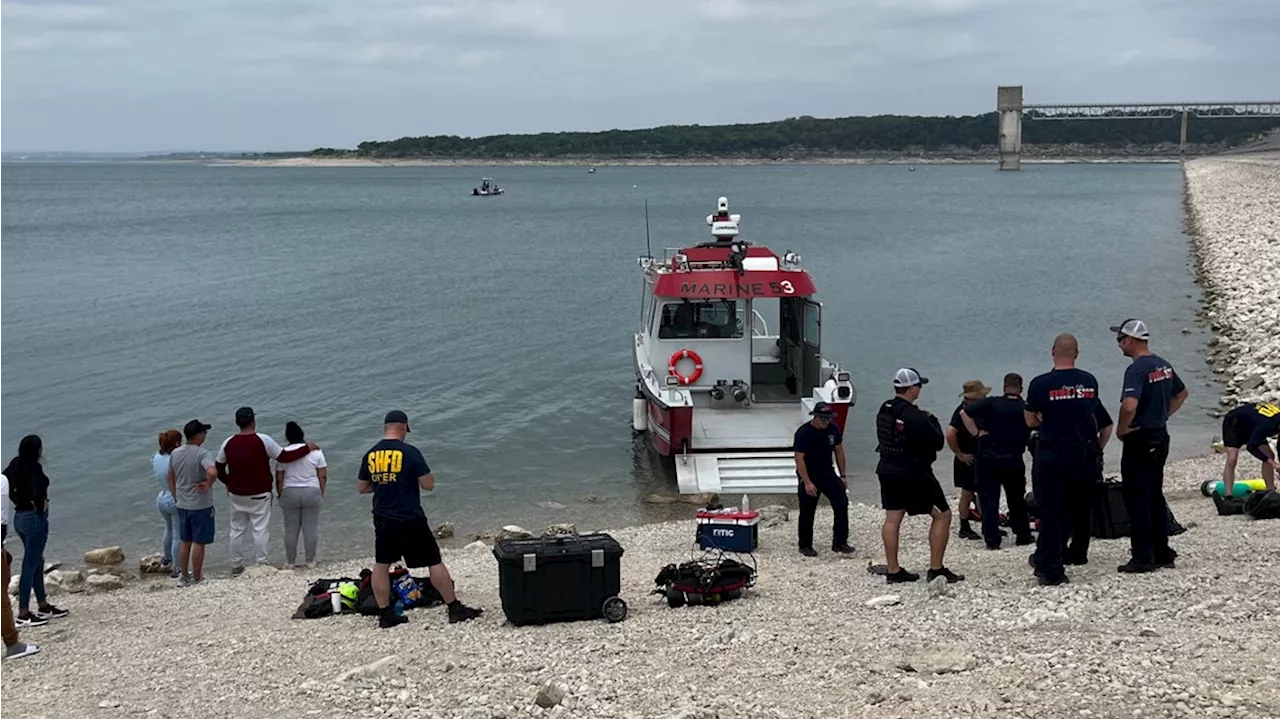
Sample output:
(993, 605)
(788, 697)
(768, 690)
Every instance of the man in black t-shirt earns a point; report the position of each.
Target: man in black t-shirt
(816, 443)
(393, 471)
(908, 440)
(1063, 404)
(965, 446)
(1152, 393)
(1001, 430)
(1249, 426)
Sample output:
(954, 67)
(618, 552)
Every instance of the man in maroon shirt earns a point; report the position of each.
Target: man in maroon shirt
(244, 465)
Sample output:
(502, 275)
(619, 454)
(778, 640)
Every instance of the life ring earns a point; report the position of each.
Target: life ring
(697, 366)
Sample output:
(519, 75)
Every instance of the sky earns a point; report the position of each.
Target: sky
(248, 75)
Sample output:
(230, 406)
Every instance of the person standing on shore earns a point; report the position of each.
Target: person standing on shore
(1249, 426)
(244, 465)
(909, 439)
(1002, 443)
(815, 444)
(14, 647)
(964, 446)
(394, 471)
(300, 486)
(165, 504)
(1153, 392)
(192, 474)
(1062, 405)
(29, 492)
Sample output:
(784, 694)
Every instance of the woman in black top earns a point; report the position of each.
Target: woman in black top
(29, 491)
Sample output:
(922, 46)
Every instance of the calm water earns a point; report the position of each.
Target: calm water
(136, 297)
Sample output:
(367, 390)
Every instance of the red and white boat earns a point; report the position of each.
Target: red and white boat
(728, 362)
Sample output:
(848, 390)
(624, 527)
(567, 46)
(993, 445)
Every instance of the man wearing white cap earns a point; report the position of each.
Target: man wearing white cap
(1152, 393)
(909, 440)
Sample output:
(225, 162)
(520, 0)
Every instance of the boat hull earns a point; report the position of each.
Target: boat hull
(670, 428)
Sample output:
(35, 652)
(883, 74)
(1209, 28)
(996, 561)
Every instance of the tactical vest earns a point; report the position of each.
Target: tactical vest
(891, 436)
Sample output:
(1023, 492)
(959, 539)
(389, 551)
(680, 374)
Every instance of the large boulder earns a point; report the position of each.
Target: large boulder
(104, 583)
(445, 530)
(152, 564)
(105, 556)
(774, 515)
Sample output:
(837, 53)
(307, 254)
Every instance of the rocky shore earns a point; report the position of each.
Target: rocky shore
(1233, 209)
(1198, 641)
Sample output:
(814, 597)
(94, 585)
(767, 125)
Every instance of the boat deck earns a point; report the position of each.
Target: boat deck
(760, 426)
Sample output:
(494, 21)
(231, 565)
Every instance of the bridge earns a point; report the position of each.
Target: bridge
(1012, 112)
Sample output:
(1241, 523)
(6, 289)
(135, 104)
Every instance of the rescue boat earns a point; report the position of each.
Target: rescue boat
(728, 361)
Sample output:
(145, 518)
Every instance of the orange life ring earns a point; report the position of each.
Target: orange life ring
(697, 366)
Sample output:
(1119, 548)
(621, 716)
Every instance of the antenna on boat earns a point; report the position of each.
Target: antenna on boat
(648, 244)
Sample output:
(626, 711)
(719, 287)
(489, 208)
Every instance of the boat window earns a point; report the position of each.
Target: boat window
(812, 324)
(706, 319)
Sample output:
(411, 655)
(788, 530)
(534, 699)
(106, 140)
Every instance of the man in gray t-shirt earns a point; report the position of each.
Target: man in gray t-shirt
(192, 473)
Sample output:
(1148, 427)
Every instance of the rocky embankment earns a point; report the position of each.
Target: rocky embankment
(1233, 206)
(815, 638)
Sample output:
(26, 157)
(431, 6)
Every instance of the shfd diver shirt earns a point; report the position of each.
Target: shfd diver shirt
(1067, 400)
(818, 447)
(394, 468)
(1153, 383)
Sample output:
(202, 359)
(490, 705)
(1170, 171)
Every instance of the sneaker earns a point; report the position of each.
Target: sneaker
(901, 576)
(237, 571)
(842, 549)
(809, 551)
(51, 612)
(1045, 580)
(968, 533)
(18, 650)
(951, 576)
(1134, 567)
(459, 612)
(387, 620)
(29, 620)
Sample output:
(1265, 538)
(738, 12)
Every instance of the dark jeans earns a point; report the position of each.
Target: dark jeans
(1142, 481)
(1063, 480)
(833, 488)
(33, 529)
(1011, 476)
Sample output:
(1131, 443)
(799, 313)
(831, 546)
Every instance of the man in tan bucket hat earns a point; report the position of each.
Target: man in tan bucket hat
(964, 445)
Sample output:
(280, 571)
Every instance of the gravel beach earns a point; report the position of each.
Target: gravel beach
(1233, 205)
(1198, 641)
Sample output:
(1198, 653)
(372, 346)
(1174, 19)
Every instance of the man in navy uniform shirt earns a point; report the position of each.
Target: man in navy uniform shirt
(1152, 393)
(1249, 426)
(816, 442)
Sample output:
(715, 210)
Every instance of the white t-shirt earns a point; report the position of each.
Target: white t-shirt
(302, 473)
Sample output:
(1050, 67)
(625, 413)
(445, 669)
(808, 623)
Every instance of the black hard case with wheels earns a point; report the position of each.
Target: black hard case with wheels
(560, 579)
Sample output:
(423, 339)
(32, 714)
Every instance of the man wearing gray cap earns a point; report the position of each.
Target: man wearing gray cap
(909, 440)
(1152, 393)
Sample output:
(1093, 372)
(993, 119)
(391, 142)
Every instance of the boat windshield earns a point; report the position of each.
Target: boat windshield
(707, 319)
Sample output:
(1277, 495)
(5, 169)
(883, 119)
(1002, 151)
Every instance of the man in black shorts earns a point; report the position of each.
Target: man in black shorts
(393, 471)
(909, 440)
(965, 447)
(1249, 426)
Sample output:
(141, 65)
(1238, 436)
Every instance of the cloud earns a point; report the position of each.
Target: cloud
(98, 74)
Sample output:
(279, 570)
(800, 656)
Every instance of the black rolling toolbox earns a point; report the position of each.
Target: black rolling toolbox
(560, 579)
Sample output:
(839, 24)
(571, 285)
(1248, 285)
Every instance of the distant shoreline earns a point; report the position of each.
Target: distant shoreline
(668, 162)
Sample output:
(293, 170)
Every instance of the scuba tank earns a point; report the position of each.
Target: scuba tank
(1240, 488)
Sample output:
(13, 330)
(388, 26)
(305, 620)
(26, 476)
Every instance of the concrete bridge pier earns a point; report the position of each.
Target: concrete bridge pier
(1009, 107)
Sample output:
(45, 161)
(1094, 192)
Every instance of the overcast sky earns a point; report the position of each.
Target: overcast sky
(129, 75)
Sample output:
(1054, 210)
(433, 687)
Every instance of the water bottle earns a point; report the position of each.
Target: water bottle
(746, 504)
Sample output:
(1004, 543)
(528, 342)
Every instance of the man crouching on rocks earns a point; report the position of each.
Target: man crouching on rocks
(909, 440)
(393, 471)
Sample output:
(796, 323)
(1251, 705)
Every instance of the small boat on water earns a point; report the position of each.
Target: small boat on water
(591, 170)
(716, 389)
(487, 188)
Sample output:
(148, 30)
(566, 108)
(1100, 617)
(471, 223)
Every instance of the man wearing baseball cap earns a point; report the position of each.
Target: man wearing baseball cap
(909, 440)
(815, 444)
(1152, 393)
(393, 471)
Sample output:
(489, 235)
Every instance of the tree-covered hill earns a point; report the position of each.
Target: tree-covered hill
(814, 137)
